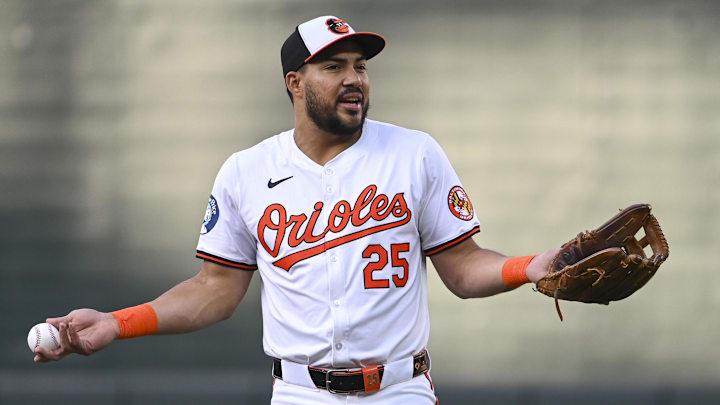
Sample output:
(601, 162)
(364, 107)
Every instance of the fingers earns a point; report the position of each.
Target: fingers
(538, 266)
(74, 316)
(70, 317)
(70, 341)
(56, 321)
(77, 344)
(64, 338)
(43, 355)
(78, 333)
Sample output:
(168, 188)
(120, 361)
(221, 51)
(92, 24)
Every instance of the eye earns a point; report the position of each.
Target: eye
(332, 67)
(362, 68)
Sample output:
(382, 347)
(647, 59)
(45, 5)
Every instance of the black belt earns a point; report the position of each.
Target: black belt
(345, 381)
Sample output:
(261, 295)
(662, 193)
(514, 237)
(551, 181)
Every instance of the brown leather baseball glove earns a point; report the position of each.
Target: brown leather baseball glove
(609, 263)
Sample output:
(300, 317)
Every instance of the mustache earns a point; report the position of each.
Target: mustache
(351, 90)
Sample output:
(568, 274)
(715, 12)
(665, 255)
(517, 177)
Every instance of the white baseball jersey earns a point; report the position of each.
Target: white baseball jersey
(340, 248)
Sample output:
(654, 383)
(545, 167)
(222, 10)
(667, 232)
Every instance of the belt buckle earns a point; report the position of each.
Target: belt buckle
(370, 376)
(327, 383)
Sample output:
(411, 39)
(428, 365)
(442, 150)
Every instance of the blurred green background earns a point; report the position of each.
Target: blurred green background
(115, 117)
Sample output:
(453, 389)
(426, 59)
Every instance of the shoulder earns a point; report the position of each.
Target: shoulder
(410, 142)
(393, 136)
(256, 157)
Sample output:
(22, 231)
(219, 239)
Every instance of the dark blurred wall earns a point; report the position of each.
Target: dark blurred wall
(115, 117)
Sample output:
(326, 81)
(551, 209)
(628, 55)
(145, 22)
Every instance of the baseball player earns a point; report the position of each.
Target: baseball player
(338, 216)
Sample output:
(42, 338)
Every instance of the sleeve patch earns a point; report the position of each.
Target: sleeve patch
(212, 213)
(459, 204)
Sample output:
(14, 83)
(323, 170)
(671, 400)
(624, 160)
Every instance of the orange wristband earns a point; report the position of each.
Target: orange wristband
(136, 321)
(514, 271)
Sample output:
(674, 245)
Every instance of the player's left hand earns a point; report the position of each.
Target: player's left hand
(538, 267)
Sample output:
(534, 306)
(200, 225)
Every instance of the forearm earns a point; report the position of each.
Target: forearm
(201, 301)
(193, 304)
(483, 274)
(473, 273)
(470, 271)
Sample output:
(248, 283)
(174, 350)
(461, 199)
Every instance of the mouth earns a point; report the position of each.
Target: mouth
(351, 101)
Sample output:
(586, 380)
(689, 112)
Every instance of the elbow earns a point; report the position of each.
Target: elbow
(464, 288)
(225, 315)
(459, 288)
(227, 311)
(457, 284)
(462, 294)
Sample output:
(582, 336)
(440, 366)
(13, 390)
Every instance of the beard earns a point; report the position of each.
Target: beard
(327, 118)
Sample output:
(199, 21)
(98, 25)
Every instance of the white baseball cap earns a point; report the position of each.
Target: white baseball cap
(312, 37)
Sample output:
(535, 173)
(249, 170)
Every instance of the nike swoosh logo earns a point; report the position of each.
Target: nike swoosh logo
(272, 184)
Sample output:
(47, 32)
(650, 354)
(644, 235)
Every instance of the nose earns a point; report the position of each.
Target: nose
(352, 78)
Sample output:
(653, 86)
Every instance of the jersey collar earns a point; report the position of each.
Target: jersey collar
(347, 157)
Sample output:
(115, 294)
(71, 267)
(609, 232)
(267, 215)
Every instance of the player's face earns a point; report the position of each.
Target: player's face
(337, 89)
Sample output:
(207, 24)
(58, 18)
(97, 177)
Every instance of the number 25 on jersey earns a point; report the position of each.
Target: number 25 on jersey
(381, 260)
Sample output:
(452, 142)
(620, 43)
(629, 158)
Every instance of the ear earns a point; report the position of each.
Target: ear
(292, 82)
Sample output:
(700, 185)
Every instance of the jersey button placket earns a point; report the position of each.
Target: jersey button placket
(337, 309)
(335, 272)
(329, 183)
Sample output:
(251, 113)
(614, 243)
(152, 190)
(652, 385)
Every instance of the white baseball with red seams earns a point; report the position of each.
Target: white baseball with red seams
(341, 248)
(43, 335)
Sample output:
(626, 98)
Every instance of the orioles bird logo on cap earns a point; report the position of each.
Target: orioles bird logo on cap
(337, 26)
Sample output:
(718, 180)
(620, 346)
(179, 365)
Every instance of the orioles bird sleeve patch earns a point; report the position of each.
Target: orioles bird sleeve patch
(459, 204)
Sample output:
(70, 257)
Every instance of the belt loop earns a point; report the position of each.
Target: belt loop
(276, 373)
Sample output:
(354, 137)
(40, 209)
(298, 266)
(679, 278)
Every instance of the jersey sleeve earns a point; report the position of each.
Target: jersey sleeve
(447, 216)
(224, 237)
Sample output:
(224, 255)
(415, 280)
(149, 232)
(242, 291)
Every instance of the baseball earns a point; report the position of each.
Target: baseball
(43, 335)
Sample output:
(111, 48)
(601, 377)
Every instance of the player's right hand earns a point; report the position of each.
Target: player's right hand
(83, 331)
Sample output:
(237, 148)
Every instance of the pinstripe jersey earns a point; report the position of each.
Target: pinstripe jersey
(341, 248)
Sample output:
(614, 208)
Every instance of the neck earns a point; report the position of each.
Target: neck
(321, 146)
